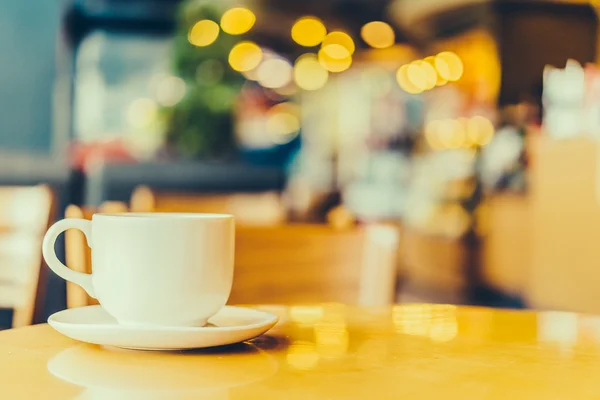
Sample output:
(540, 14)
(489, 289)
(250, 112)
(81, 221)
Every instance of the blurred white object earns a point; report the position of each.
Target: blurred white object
(426, 203)
(500, 155)
(368, 200)
(563, 99)
(119, 81)
(380, 191)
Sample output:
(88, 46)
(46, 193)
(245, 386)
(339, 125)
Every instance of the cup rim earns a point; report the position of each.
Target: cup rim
(163, 216)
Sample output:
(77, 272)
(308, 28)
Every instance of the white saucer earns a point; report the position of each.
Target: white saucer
(230, 325)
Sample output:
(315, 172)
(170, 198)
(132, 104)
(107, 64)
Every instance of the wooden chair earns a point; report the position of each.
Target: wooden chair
(289, 264)
(25, 214)
(77, 252)
(314, 263)
(248, 208)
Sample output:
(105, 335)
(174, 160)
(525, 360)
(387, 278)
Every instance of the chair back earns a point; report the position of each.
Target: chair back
(260, 209)
(291, 264)
(25, 214)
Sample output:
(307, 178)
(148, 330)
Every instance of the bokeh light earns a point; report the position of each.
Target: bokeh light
(428, 65)
(308, 31)
(449, 66)
(338, 45)
(245, 56)
(417, 76)
(237, 21)
(283, 123)
(203, 33)
(404, 81)
(170, 91)
(480, 130)
(309, 74)
(274, 73)
(459, 133)
(378, 34)
(334, 64)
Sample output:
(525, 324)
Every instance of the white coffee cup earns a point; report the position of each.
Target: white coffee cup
(156, 269)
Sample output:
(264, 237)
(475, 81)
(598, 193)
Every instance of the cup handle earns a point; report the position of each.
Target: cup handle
(60, 269)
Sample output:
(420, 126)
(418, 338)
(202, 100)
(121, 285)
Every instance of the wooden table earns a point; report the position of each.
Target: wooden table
(330, 352)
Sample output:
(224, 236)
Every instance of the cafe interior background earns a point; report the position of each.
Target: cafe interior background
(469, 126)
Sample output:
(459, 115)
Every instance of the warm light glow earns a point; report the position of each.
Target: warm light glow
(305, 315)
(245, 56)
(203, 33)
(417, 76)
(309, 74)
(437, 322)
(449, 66)
(334, 64)
(302, 355)
(480, 130)
(237, 21)
(338, 45)
(430, 74)
(283, 120)
(332, 339)
(428, 66)
(308, 31)
(274, 73)
(404, 82)
(431, 135)
(141, 113)
(459, 133)
(378, 34)
(170, 91)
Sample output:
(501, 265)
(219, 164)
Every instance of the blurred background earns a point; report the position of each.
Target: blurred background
(469, 126)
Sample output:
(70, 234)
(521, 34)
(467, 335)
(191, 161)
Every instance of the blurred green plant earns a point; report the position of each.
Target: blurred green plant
(201, 124)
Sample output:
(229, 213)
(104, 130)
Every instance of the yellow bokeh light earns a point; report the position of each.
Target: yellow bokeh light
(480, 130)
(274, 73)
(449, 66)
(245, 56)
(334, 64)
(237, 21)
(378, 34)
(308, 31)
(404, 82)
(417, 75)
(203, 33)
(338, 45)
(430, 74)
(309, 74)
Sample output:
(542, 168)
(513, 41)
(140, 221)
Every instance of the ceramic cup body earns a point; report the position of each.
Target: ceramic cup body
(159, 269)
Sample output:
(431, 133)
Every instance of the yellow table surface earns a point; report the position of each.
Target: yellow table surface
(330, 352)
